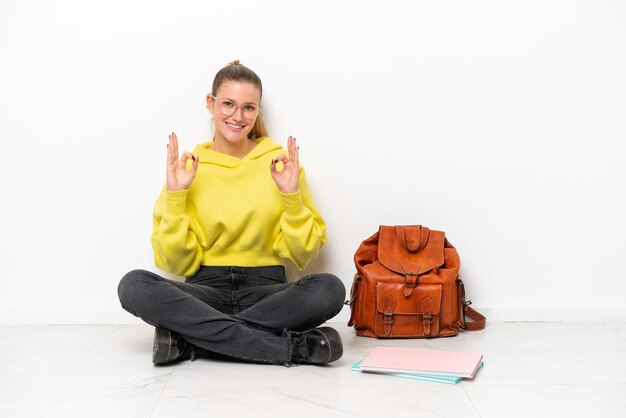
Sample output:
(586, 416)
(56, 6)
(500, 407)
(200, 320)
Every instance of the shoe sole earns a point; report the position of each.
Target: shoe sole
(162, 346)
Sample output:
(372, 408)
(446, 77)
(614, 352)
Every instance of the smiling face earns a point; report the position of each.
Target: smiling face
(230, 107)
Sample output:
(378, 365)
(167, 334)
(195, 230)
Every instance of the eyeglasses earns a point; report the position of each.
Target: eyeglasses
(228, 108)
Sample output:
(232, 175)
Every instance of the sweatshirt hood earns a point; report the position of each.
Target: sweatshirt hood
(208, 156)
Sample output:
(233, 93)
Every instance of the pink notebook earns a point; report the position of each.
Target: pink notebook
(411, 360)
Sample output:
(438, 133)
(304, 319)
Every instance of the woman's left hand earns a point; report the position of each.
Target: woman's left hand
(287, 179)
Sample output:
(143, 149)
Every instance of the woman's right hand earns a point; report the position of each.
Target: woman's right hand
(178, 177)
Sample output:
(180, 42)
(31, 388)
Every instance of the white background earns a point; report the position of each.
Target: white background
(499, 122)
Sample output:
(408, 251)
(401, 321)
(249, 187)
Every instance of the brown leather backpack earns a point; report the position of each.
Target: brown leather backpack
(407, 286)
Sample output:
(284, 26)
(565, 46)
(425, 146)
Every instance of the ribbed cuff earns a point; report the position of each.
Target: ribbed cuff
(293, 202)
(175, 202)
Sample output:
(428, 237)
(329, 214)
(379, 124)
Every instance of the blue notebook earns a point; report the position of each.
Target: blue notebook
(450, 380)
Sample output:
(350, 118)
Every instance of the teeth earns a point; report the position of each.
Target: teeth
(235, 126)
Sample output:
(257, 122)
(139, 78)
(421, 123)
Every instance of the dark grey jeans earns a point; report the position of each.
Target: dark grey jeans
(242, 312)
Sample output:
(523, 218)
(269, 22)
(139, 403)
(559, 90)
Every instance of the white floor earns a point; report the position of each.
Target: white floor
(531, 370)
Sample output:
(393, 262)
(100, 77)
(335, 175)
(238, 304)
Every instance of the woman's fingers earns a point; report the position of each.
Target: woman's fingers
(287, 178)
(290, 142)
(194, 166)
(292, 150)
(186, 156)
(282, 158)
(292, 147)
(178, 177)
(172, 149)
(169, 150)
(296, 153)
(175, 142)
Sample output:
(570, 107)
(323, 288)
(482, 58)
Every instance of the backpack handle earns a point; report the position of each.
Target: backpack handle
(412, 238)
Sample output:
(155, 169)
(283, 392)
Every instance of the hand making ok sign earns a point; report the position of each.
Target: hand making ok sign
(178, 177)
(287, 179)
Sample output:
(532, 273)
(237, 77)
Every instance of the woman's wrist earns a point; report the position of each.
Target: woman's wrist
(289, 190)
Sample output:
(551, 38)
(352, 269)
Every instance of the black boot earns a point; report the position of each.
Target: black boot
(169, 347)
(317, 346)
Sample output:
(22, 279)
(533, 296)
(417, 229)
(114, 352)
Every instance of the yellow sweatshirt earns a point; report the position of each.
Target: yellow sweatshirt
(234, 215)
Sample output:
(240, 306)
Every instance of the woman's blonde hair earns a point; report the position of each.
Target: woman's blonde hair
(236, 71)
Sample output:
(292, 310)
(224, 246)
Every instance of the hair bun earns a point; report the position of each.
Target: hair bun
(236, 62)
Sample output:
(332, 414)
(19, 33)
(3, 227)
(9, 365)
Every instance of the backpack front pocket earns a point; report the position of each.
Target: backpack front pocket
(399, 316)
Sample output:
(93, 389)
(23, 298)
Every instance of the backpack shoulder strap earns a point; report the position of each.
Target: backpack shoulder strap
(478, 319)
